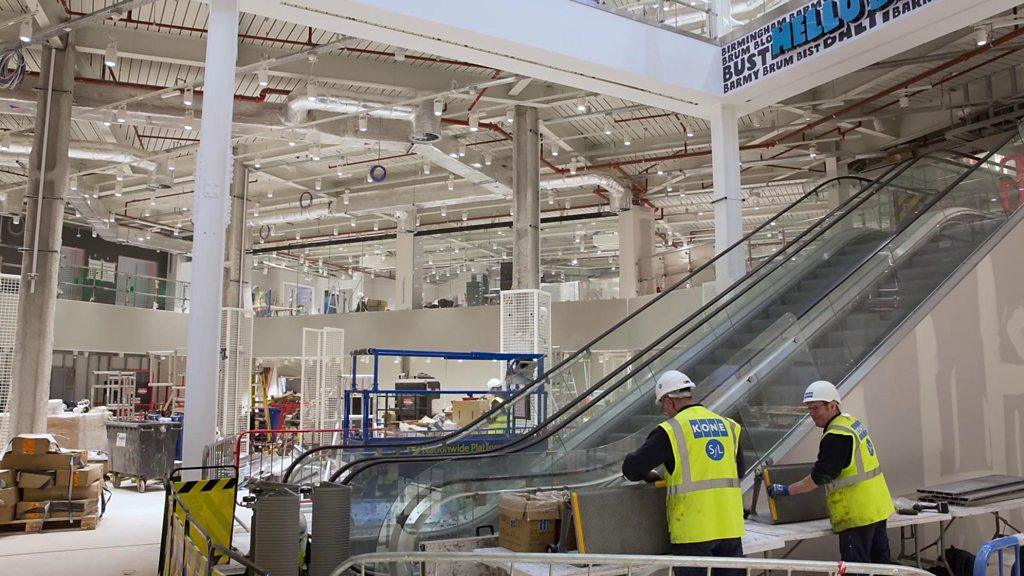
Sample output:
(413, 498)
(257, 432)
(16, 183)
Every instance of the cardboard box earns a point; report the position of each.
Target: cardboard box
(36, 479)
(90, 492)
(31, 510)
(81, 477)
(86, 431)
(51, 461)
(465, 411)
(529, 522)
(8, 478)
(7, 513)
(30, 444)
(9, 497)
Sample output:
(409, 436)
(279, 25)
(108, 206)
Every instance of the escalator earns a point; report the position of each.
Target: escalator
(816, 309)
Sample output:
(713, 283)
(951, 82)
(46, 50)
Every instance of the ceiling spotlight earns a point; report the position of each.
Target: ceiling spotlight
(444, 211)
(25, 30)
(335, 231)
(340, 170)
(73, 183)
(451, 186)
(807, 114)
(118, 189)
(263, 77)
(108, 118)
(756, 119)
(661, 171)
(438, 106)
(187, 97)
(399, 54)
(345, 197)
(981, 36)
(376, 225)
(270, 193)
(318, 184)
(668, 187)
(551, 198)
(291, 137)
(572, 168)
(5, 142)
(813, 150)
(190, 117)
(363, 121)
(314, 152)
(352, 222)
(311, 93)
(474, 122)
(256, 209)
(110, 55)
(119, 177)
(257, 163)
(554, 149)
(689, 132)
(487, 159)
(170, 165)
(510, 114)
(626, 141)
(426, 168)
(152, 200)
(581, 106)
(462, 150)
(904, 102)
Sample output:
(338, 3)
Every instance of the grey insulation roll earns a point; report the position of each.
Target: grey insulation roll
(275, 532)
(332, 505)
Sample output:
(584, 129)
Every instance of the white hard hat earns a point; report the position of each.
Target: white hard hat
(821, 391)
(494, 384)
(671, 381)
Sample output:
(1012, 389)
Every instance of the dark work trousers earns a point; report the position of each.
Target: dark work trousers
(726, 548)
(865, 544)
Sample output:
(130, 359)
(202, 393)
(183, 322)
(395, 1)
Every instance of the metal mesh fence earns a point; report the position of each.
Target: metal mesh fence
(233, 397)
(9, 286)
(526, 322)
(323, 357)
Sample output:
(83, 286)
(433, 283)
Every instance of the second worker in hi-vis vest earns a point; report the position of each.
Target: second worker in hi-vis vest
(700, 452)
(858, 499)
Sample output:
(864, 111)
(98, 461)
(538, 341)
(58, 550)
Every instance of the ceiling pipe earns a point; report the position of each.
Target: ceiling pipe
(79, 150)
(299, 105)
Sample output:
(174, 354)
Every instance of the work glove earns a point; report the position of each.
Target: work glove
(777, 490)
(652, 477)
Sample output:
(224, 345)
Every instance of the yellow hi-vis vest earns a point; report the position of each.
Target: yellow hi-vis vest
(859, 495)
(500, 422)
(704, 501)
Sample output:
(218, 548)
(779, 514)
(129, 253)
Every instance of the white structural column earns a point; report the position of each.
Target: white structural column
(728, 196)
(44, 221)
(213, 182)
(237, 282)
(526, 200)
(636, 249)
(408, 284)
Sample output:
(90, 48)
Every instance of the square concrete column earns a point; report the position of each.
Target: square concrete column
(408, 281)
(44, 221)
(526, 200)
(636, 251)
(727, 197)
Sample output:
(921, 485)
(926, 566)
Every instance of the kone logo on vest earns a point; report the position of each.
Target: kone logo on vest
(708, 428)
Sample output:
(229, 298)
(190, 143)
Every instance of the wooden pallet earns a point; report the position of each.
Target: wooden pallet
(78, 522)
(86, 520)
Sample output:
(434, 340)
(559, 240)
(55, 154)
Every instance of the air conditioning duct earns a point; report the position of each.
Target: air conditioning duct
(426, 127)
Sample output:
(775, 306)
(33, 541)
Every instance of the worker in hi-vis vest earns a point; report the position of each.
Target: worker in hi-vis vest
(858, 499)
(498, 422)
(700, 451)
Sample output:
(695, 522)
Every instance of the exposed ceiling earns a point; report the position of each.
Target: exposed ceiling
(135, 134)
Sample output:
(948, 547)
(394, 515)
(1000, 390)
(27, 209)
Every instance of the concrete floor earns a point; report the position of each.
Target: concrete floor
(126, 541)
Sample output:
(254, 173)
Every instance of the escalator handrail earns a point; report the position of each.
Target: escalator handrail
(529, 441)
(867, 183)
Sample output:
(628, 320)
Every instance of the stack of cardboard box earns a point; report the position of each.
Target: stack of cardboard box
(38, 481)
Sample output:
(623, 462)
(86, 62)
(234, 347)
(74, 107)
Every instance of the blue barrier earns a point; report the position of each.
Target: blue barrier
(997, 546)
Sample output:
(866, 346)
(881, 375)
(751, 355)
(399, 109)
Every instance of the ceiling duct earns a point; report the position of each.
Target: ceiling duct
(426, 126)
(81, 150)
(300, 104)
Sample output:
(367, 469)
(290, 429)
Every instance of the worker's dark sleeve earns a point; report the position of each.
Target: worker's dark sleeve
(657, 450)
(741, 466)
(834, 453)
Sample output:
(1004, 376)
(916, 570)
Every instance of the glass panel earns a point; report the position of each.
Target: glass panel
(105, 286)
(815, 309)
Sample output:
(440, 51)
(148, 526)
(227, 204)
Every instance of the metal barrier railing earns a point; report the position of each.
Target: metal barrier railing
(606, 564)
(182, 555)
(998, 547)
